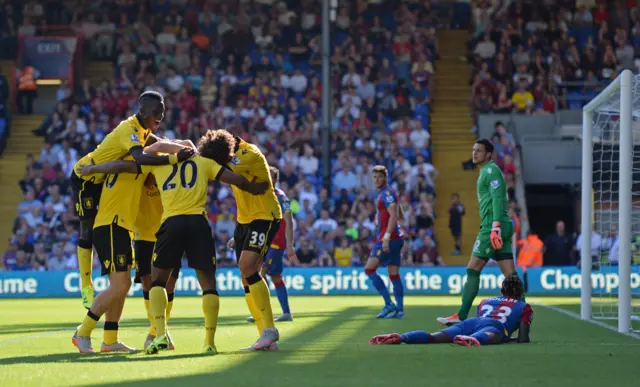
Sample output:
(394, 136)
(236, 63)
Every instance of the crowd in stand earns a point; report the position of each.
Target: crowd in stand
(254, 68)
(533, 57)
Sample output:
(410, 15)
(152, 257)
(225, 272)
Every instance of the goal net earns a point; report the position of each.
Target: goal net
(610, 227)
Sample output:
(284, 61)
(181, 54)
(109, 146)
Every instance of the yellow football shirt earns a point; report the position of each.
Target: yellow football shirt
(184, 186)
(149, 214)
(128, 134)
(343, 256)
(119, 200)
(251, 163)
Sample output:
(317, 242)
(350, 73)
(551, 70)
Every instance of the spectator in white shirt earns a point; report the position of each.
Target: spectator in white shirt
(308, 193)
(596, 246)
(419, 138)
(308, 163)
(104, 42)
(274, 121)
(424, 168)
(229, 77)
(325, 223)
(298, 82)
(351, 98)
(486, 48)
(366, 90)
(290, 157)
(166, 37)
(345, 179)
(174, 81)
(351, 79)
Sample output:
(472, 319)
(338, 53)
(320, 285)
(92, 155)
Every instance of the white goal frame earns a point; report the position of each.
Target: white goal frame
(622, 86)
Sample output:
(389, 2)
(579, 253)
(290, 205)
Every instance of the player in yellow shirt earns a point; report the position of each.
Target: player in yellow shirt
(258, 221)
(129, 137)
(146, 225)
(183, 191)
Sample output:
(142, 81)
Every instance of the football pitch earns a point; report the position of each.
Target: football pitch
(326, 345)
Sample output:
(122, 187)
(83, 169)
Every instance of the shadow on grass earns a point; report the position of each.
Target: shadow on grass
(140, 322)
(301, 356)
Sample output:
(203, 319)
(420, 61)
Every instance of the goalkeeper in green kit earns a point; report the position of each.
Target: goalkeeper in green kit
(496, 229)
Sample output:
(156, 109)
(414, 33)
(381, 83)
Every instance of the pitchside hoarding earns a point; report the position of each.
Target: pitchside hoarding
(327, 281)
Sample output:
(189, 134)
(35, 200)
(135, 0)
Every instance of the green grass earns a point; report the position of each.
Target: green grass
(325, 346)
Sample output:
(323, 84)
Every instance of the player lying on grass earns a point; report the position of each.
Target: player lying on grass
(497, 319)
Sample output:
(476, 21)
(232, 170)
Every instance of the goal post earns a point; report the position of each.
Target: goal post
(608, 144)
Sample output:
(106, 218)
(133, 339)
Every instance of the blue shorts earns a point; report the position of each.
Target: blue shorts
(391, 257)
(474, 325)
(273, 261)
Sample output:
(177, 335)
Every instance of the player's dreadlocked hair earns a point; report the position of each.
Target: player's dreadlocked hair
(512, 287)
(217, 145)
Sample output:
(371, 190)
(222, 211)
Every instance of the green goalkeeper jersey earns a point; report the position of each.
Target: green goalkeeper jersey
(492, 196)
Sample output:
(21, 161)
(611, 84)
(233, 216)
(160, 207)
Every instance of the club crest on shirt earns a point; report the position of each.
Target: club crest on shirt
(88, 203)
(121, 260)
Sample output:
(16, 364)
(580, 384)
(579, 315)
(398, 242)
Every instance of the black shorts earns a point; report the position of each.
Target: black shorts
(185, 234)
(456, 231)
(86, 196)
(142, 253)
(113, 245)
(255, 236)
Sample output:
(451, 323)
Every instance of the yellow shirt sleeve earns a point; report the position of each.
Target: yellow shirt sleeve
(129, 137)
(214, 169)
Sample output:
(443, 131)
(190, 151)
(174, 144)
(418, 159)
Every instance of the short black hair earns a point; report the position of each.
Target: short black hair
(151, 103)
(154, 95)
(488, 145)
(275, 172)
(512, 287)
(217, 145)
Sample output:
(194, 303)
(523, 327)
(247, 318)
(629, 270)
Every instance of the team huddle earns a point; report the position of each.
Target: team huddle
(137, 184)
(141, 203)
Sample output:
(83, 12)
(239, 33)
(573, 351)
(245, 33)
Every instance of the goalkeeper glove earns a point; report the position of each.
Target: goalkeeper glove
(496, 238)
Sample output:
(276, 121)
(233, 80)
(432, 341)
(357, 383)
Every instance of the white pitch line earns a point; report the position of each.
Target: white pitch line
(596, 322)
(30, 337)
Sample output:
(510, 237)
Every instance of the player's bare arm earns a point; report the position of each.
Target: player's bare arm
(164, 147)
(393, 222)
(291, 251)
(112, 167)
(523, 333)
(143, 158)
(254, 188)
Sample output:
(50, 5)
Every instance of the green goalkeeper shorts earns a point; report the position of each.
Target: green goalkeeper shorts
(482, 247)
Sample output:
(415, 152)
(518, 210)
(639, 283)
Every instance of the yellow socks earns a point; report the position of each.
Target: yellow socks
(169, 304)
(158, 309)
(152, 325)
(110, 332)
(260, 294)
(253, 309)
(88, 324)
(85, 263)
(210, 308)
